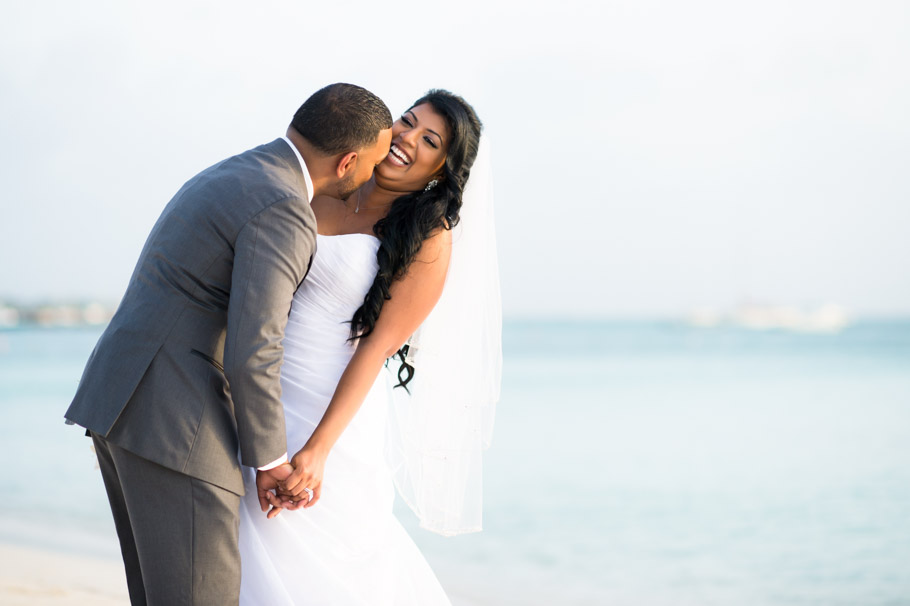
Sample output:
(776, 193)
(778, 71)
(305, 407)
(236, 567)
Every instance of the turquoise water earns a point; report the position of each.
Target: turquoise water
(644, 463)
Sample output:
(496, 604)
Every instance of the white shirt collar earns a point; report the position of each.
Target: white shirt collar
(306, 173)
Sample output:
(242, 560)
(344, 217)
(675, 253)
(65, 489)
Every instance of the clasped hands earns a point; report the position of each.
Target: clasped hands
(283, 487)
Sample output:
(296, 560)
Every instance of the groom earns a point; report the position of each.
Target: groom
(187, 373)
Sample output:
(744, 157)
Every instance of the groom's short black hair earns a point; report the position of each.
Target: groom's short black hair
(341, 118)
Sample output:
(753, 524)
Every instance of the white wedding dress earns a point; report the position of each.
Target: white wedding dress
(348, 549)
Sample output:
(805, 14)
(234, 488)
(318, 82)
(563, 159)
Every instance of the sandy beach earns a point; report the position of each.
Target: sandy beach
(44, 578)
(39, 577)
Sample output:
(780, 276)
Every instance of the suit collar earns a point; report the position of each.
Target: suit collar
(283, 148)
(303, 167)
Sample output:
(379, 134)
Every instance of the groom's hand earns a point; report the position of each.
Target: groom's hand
(266, 486)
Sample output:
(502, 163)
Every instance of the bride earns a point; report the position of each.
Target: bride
(393, 264)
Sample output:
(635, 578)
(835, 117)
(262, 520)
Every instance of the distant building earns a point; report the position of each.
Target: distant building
(55, 314)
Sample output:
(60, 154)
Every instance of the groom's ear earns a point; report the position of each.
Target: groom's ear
(347, 163)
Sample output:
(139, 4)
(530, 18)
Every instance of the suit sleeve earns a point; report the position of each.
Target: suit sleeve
(271, 257)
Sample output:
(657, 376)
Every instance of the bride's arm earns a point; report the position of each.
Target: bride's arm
(413, 297)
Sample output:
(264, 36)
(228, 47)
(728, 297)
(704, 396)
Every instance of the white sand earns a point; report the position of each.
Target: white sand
(36, 577)
(45, 578)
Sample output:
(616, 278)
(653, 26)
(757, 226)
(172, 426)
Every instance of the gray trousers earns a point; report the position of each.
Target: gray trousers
(178, 534)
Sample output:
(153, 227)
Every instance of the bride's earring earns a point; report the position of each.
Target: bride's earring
(430, 185)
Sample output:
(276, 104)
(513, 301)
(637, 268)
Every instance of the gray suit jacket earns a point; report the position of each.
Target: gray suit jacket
(187, 372)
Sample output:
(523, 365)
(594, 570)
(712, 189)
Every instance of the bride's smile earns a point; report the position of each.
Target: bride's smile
(418, 151)
(398, 157)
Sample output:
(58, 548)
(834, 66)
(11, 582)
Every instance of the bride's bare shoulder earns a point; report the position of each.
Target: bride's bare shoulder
(437, 247)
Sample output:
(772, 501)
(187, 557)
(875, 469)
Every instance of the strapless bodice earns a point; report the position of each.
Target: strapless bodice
(316, 346)
(342, 272)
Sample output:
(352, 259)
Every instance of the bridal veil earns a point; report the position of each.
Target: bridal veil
(438, 431)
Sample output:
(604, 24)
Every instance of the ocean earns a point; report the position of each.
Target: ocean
(644, 463)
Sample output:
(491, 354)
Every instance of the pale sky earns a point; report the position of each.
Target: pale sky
(649, 157)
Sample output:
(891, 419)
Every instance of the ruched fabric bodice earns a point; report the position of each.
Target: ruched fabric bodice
(316, 345)
(341, 274)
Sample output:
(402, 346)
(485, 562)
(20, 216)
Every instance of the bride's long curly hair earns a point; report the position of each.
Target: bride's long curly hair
(413, 217)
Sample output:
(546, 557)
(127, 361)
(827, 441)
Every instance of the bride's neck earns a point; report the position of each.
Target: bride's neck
(373, 195)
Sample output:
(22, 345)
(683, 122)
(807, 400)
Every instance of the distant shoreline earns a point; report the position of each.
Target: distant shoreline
(67, 319)
(826, 318)
(61, 314)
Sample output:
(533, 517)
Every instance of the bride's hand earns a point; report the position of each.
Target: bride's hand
(309, 466)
